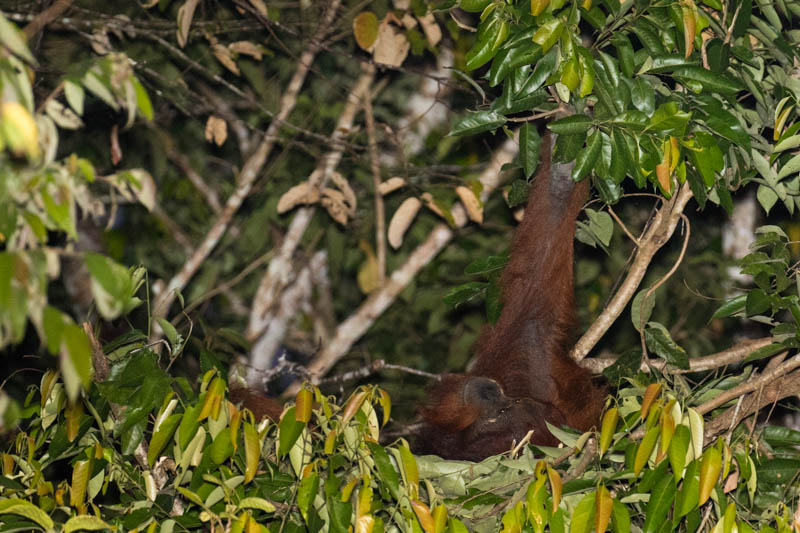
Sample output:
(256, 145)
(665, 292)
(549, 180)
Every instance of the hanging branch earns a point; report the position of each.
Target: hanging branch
(250, 170)
(655, 236)
(375, 168)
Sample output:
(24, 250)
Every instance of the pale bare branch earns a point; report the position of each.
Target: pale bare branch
(250, 170)
(657, 234)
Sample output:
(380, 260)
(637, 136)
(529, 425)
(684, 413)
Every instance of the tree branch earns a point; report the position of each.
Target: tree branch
(656, 235)
(352, 328)
(250, 170)
(732, 355)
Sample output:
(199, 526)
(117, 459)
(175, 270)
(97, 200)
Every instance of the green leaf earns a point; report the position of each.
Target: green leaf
(530, 144)
(85, 523)
(289, 430)
(731, 307)
(757, 302)
(642, 308)
(678, 449)
(659, 341)
(486, 265)
(624, 53)
(587, 158)
(689, 495)
(14, 39)
(24, 508)
(548, 33)
(714, 82)
(572, 125)
(660, 503)
(306, 493)
(507, 60)
(477, 122)
(163, 436)
(386, 470)
(666, 63)
(764, 352)
(464, 293)
(583, 516)
(620, 518)
(142, 100)
(669, 119)
(518, 192)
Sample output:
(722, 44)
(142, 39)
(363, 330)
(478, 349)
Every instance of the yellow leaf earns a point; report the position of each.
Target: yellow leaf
(365, 29)
(80, 478)
(603, 505)
(556, 486)
(645, 449)
(303, 402)
(424, 516)
(353, 405)
(607, 429)
(73, 412)
(537, 6)
(710, 466)
(368, 273)
(252, 447)
(689, 26)
(650, 394)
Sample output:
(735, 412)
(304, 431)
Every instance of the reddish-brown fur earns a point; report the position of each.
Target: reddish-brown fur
(261, 405)
(526, 352)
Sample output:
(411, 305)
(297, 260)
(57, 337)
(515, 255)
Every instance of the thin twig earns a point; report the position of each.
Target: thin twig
(656, 235)
(623, 226)
(660, 282)
(46, 17)
(380, 215)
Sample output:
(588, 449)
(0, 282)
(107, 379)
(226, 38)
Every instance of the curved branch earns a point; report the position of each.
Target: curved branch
(657, 234)
(732, 355)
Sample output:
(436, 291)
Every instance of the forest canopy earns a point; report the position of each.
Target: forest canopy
(317, 199)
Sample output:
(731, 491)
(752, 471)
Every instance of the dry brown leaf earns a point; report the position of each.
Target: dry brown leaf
(349, 195)
(334, 202)
(408, 21)
(391, 46)
(431, 29)
(247, 48)
(731, 482)
(299, 194)
(427, 199)
(471, 204)
(260, 6)
(225, 57)
(391, 185)
(101, 44)
(185, 16)
(401, 220)
(216, 130)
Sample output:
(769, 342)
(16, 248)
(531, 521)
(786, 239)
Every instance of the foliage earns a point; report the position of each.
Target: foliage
(41, 194)
(144, 451)
(653, 96)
